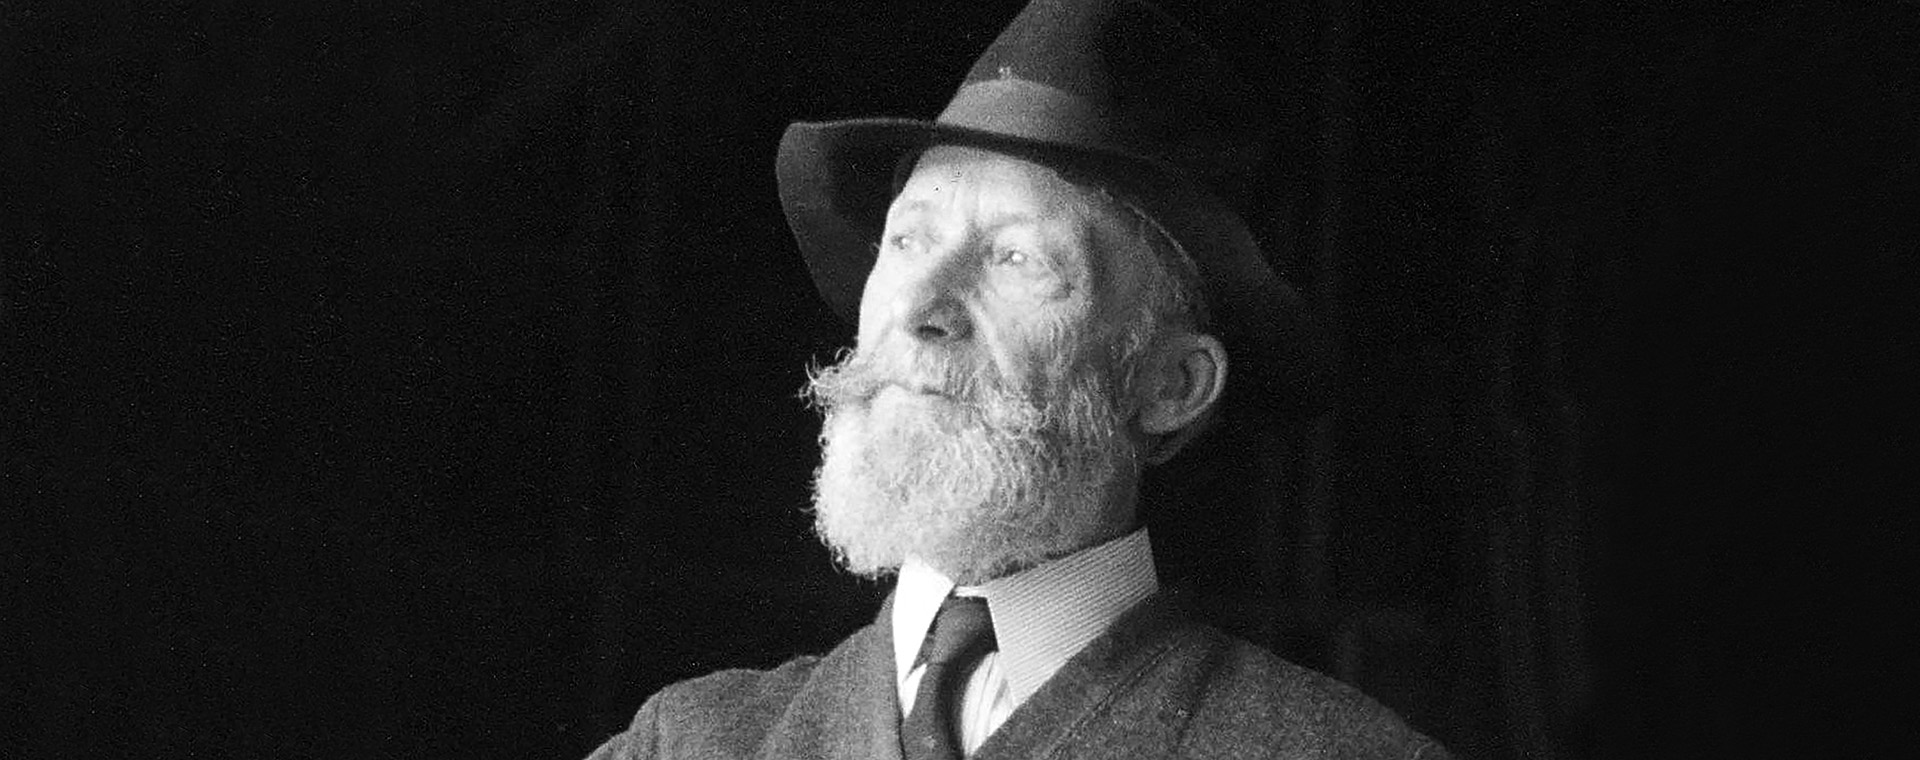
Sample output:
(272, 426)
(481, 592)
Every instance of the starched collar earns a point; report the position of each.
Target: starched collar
(1042, 616)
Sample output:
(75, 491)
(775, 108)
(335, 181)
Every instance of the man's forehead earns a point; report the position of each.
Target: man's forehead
(945, 170)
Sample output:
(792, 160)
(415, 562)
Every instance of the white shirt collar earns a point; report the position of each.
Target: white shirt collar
(1041, 616)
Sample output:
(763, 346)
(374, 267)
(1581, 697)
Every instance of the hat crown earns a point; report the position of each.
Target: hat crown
(1115, 74)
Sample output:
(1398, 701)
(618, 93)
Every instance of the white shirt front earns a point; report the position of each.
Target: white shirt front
(1041, 618)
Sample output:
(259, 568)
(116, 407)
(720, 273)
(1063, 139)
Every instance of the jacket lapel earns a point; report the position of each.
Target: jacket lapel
(849, 707)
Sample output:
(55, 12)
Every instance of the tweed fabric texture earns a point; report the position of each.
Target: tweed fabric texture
(1155, 685)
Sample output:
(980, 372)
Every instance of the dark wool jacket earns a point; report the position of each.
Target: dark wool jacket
(1154, 685)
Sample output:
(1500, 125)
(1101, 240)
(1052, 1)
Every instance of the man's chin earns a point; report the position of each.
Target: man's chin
(975, 491)
(872, 540)
(964, 570)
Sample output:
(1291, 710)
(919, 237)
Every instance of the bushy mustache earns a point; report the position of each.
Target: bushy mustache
(998, 478)
(858, 376)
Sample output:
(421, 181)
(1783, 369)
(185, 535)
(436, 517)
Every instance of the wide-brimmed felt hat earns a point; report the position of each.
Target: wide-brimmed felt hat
(1108, 92)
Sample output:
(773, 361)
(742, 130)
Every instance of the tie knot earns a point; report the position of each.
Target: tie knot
(962, 629)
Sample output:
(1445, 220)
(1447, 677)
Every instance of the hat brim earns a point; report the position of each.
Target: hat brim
(836, 180)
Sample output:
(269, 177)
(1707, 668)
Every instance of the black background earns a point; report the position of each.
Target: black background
(398, 380)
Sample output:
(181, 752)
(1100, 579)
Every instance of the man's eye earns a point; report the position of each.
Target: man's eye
(1011, 257)
(900, 241)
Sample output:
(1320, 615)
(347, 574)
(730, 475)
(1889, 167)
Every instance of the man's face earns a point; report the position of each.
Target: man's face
(982, 424)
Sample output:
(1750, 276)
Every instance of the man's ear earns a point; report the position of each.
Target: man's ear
(1190, 373)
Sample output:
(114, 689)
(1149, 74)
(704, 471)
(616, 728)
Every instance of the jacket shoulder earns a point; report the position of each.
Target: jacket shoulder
(744, 694)
(721, 714)
(1252, 698)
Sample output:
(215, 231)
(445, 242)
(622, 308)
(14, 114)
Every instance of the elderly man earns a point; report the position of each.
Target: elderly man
(1049, 291)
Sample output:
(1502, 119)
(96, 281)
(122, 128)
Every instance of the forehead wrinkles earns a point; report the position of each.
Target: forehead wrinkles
(987, 185)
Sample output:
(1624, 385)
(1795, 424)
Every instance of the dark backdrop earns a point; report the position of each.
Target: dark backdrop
(396, 380)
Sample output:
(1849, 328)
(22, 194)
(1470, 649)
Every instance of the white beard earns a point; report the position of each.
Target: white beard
(978, 485)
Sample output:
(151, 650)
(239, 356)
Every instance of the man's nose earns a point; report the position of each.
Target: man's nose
(932, 308)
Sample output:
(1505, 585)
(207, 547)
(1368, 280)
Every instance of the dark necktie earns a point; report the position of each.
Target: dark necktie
(962, 634)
